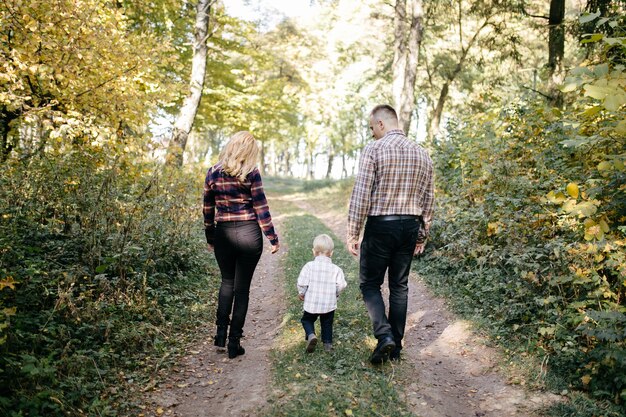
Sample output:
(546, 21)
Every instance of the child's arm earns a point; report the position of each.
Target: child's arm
(303, 282)
(341, 282)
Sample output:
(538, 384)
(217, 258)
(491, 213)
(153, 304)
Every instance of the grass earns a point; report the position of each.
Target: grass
(339, 383)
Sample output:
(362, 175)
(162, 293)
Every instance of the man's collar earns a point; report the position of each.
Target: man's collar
(393, 132)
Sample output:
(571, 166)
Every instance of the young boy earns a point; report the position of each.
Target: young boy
(319, 285)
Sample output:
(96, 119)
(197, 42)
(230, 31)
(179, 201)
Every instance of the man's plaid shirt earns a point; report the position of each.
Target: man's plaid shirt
(227, 199)
(321, 281)
(395, 178)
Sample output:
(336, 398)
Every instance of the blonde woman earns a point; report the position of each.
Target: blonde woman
(235, 213)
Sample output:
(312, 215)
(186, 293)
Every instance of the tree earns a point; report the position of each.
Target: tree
(187, 114)
(465, 43)
(556, 49)
(408, 31)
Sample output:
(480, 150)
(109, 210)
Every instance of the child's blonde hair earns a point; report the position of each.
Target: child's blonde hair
(323, 244)
(240, 154)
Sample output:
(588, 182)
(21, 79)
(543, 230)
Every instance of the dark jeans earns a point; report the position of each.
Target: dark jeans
(238, 248)
(326, 322)
(387, 245)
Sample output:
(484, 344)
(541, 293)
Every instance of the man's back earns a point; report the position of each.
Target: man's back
(395, 177)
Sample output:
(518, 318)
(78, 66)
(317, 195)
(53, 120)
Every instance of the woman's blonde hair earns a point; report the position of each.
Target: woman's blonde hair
(240, 154)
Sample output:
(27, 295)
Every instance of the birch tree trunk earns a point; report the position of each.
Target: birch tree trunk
(187, 115)
(408, 31)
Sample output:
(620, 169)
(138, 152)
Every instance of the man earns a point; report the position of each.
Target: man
(394, 190)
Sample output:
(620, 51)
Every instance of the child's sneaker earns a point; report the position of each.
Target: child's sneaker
(328, 347)
(311, 343)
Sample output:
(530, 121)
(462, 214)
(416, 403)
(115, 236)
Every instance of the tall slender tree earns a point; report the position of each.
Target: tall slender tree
(184, 121)
(408, 31)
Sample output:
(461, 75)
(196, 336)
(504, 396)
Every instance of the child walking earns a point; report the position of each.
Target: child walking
(319, 285)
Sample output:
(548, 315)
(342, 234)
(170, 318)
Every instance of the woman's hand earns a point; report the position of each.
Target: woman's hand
(275, 247)
(210, 247)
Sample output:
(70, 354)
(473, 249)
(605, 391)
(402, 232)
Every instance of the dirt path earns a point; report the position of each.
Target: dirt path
(452, 373)
(206, 383)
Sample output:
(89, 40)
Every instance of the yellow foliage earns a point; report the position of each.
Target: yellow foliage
(572, 189)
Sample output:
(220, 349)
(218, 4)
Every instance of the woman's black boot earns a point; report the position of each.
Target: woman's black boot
(220, 336)
(234, 348)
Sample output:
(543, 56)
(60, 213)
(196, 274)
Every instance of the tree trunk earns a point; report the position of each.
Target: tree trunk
(262, 169)
(187, 115)
(435, 120)
(331, 157)
(408, 31)
(6, 117)
(556, 49)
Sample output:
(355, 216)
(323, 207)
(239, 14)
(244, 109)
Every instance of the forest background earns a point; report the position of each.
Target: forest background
(110, 112)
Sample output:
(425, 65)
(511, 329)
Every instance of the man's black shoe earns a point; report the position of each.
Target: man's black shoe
(383, 348)
(395, 354)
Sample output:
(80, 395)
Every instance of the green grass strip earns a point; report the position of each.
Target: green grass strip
(339, 383)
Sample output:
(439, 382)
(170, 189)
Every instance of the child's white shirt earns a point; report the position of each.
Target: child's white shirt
(321, 281)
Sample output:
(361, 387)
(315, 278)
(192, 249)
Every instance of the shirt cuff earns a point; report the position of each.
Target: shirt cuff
(209, 233)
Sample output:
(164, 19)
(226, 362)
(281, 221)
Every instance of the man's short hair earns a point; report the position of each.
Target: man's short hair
(323, 244)
(384, 112)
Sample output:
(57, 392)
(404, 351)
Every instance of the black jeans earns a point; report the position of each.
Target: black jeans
(326, 322)
(387, 245)
(238, 248)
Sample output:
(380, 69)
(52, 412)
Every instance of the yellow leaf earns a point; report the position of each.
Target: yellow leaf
(159, 411)
(604, 226)
(604, 166)
(589, 223)
(586, 379)
(9, 311)
(572, 189)
(348, 412)
(298, 375)
(8, 282)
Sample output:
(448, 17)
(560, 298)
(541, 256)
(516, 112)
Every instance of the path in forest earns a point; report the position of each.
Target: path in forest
(452, 373)
(206, 383)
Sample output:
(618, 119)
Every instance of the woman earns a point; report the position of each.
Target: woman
(235, 212)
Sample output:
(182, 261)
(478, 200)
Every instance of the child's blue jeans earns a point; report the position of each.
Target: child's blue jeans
(326, 322)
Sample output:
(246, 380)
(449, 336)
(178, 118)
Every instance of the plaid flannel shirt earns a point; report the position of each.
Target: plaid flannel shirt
(227, 199)
(321, 281)
(395, 178)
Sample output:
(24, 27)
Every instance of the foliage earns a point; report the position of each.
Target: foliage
(100, 249)
(100, 267)
(531, 236)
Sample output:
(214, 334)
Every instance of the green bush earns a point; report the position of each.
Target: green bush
(101, 266)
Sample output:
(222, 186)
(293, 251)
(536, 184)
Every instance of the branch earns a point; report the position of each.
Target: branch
(524, 12)
(549, 97)
(106, 81)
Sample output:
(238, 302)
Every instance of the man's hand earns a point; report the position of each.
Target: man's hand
(353, 247)
(301, 297)
(419, 248)
(275, 248)
(210, 248)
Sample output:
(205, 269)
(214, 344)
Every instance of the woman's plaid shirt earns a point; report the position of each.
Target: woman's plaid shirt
(227, 199)
(395, 177)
